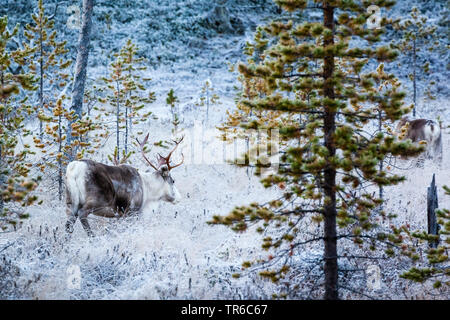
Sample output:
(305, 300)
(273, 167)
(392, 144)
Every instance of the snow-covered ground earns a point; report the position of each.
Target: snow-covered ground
(171, 252)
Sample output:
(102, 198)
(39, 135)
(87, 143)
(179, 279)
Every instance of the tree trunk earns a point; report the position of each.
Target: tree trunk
(2, 119)
(60, 166)
(414, 77)
(330, 253)
(118, 121)
(128, 121)
(131, 123)
(380, 127)
(432, 206)
(81, 63)
(126, 130)
(41, 80)
(207, 104)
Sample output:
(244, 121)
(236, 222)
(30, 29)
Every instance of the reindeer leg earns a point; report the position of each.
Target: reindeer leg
(439, 158)
(85, 224)
(83, 214)
(72, 215)
(419, 162)
(89, 208)
(70, 222)
(438, 150)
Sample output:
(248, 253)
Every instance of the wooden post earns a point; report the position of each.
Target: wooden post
(432, 205)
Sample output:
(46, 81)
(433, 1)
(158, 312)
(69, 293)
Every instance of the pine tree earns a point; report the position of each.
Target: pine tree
(242, 121)
(171, 101)
(16, 185)
(128, 94)
(91, 95)
(329, 159)
(208, 98)
(417, 41)
(49, 64)
(54, 146)
(95, 137)
(245, 116)
(48, 61)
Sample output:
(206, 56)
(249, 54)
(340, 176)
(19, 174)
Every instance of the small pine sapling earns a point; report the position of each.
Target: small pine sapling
(417, 41)
(57, 151)
(48, 61)
(172, 101)
(208, 98)
(126, 91)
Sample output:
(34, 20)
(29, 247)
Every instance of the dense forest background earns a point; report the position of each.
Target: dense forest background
(194, 30)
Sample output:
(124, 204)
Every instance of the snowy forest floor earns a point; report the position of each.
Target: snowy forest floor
(171, 252)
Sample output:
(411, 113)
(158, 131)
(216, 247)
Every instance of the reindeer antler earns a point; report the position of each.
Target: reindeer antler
(166, 160)
(142, 145)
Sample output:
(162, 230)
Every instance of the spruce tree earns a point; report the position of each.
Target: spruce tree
(330, 158)
(16, 185)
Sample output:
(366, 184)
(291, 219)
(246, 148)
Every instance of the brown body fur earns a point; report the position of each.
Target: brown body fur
(111, 191)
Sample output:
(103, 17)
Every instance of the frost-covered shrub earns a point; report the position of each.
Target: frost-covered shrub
(161, 28)
(8, 275)
(13, 284)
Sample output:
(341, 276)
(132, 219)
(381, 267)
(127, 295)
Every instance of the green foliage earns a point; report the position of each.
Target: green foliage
(439, 270)
(126, 91)
(116, 159)
(47, 61)
(171, 101)
(418, 38)
(313, 84)
(16, 185)
(208, 97)
(55, 149)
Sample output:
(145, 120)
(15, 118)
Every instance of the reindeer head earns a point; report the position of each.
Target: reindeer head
(162, 185)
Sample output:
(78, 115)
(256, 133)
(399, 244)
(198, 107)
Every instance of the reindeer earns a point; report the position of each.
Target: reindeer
(422, 130)
(117, 191)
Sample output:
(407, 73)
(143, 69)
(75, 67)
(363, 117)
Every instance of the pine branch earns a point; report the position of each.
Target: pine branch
(300, 75)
